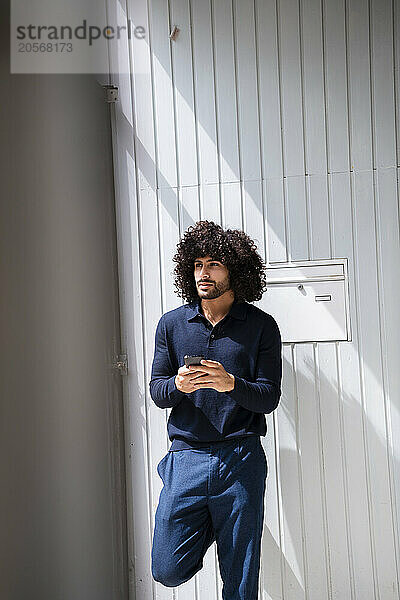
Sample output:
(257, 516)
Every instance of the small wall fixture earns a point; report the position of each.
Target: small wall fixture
(174, 33)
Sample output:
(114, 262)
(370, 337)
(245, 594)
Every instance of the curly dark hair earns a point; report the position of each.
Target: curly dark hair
(234, 248)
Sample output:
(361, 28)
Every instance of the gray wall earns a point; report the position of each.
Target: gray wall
(61, 521)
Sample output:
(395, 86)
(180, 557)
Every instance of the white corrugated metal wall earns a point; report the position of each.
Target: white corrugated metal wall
(279, 117)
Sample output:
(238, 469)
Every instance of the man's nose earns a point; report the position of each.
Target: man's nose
(204, 272)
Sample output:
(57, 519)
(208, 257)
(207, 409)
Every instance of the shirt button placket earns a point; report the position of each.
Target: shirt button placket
(211, 339)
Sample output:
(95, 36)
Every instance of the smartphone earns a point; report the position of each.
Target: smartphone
(193, 360)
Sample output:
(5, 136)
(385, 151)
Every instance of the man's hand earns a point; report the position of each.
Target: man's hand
(185, 378)
(214, 376)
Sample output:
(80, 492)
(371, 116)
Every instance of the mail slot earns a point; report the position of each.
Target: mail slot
(309, 300)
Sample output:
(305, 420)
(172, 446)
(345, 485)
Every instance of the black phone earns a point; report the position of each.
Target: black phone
(193, 360)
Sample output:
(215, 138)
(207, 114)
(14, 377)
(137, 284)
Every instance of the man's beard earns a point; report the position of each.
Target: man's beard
(215, 290)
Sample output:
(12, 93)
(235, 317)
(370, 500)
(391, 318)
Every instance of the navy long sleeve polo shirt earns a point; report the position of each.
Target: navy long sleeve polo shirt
(247, 343)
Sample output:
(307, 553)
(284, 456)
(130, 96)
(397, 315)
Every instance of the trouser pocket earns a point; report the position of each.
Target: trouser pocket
(161, 466)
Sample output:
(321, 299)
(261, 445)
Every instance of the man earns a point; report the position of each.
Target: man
(215, 471)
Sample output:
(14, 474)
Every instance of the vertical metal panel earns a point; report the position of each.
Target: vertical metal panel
(297, 218)
(204, 91)
(231, 205)
(163, 224)
(142, 86)
(136, 181)
(301, 76)
(318, 215)
(333, 468)
(210, 205)
(291, 87)
(314, 93)
(227, 127)
(396, 52)
(168, 214)
(381, 33)
(182, 73)
(387, 219)
(275, 221)
(269, 88)
(334, 26)
(253, 217)
(359, 84)
(271, 564)
(290, 485)
(309, 447)
(139, 493)
(156, 438)
(355, 486)
(270, 581)
(246, 90)
(189, 207)
(152, 299)
(371, 385)
(164, 106)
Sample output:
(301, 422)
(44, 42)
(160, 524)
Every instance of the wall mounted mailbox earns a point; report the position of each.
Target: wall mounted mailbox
(310, 300)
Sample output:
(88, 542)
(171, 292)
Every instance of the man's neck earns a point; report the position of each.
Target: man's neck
(215, 310)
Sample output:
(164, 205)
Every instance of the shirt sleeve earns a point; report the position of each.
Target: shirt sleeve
(262, 395)
(163, 390)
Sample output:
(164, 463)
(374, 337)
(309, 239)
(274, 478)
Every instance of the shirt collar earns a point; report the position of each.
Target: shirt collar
(238, 310)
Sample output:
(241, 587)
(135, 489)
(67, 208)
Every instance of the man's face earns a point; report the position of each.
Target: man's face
(211, 277)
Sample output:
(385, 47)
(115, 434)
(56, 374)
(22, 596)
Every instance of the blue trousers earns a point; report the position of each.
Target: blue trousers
(214, 493)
